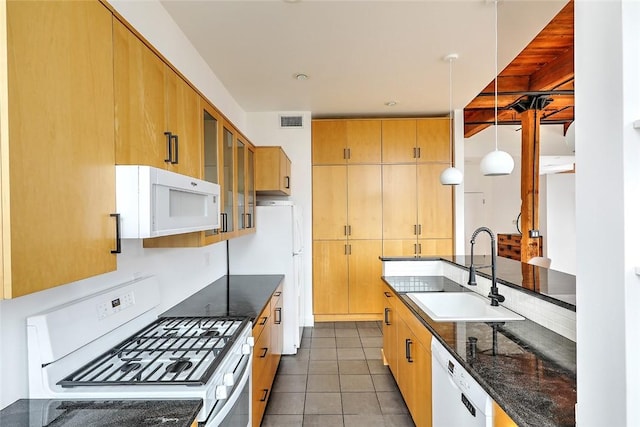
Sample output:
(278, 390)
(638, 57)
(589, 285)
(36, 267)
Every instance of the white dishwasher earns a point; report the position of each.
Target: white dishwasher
(458, 400)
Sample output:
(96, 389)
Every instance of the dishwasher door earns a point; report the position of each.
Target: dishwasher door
(458, 400)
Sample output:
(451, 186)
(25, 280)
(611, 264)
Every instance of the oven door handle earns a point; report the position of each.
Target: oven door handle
(230, 402)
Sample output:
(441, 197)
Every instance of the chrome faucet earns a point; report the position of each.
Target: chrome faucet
(494, 296)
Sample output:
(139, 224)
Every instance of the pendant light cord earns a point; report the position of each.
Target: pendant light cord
(495, 82)
(451, 109)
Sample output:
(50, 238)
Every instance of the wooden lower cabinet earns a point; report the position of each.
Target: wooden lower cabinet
(390, 330)
(414, 374)
(500, 418)
(267, 334)
(346, 280)
(407, 350)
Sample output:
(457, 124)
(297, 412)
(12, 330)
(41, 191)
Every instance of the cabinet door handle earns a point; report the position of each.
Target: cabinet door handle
(169, 156)
(118, 248)
(174, 160)
(407, 350)
(349, 249)
(348, 230)
(277, 294)
(414, 152)
(345, 230)
(265, 393)
(287, 182)
(419, 229)
(418, 156)
(224, 222)
(249, 220)
(265, 350)
(419, 248)
(348, 153)
(344, 153)
(264, 320)
(278, 316)
(415, 229)
(346, 250)
(386, 316)
(387, 294)
(415, 248)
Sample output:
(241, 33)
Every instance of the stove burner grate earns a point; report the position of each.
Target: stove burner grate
(182, 350)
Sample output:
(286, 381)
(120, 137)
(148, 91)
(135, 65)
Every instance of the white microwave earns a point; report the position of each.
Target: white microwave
(154, 202)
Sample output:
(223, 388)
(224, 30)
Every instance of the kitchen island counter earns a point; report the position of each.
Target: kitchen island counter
(530, 371)
(100, 413)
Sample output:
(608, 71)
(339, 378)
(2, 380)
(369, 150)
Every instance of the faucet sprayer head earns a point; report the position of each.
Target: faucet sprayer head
(472, 276)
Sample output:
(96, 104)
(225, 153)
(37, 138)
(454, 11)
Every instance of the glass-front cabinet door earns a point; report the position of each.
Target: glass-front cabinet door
(251, 189)
(212, 163)
(228, 180)
(241, 188)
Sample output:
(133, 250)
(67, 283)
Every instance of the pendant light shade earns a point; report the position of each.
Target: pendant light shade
(451, 175)
(497, 162)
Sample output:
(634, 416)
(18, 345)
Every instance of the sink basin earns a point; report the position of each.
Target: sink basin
(461, 307)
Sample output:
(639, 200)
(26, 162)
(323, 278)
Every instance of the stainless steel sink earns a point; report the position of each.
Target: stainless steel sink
(461, 307)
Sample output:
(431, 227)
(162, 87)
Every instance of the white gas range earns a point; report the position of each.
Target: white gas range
(77, 351)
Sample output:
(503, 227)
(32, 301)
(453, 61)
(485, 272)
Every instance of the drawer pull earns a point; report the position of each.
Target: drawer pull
(277, 294)
(264, 320)
(277, 316)
(386, 316)
(265, 394)
(265, 350)
(407, 350)
(387, 294)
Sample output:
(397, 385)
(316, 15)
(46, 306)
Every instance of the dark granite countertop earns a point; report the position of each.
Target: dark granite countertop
(553, 286)
(100, 413)
(532, 374)
(234, 295)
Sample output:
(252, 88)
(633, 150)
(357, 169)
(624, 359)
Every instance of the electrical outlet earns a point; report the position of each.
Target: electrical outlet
(115, 305)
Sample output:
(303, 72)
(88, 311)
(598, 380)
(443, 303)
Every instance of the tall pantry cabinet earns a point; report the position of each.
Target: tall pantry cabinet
(376, 192)
(347, 219)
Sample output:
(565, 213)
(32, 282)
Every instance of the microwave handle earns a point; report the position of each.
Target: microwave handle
(118, 248)
(169, 156)
(174, 161)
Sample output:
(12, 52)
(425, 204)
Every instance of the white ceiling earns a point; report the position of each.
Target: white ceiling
(358, 54)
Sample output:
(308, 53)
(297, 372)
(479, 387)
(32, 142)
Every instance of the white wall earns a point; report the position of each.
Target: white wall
(607, 87)
(264, 129)
(560, 212)
(180, 272)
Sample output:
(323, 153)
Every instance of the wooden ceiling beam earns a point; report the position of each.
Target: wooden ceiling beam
(554, 73)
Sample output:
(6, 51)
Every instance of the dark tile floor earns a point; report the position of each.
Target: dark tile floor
(337, 379)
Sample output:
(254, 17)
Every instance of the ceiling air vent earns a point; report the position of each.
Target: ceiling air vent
(291, 122)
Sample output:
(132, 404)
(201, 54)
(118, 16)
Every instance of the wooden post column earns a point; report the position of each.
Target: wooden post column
(529, 210)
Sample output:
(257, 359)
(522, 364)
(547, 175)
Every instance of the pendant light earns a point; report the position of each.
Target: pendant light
(451, 175)
(496, 162)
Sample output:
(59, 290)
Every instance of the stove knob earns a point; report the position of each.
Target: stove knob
(246, 349)
(228, 379)
(250, 341)
(221, 392)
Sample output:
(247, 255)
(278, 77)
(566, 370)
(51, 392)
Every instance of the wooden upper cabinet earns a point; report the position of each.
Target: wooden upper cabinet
(57, 141)
(140, 110)
(364, 141)
(330, 202)
(158, 121)
(435, 203)
(432, 136)
(399, 141)
(328, 142)
(346, 141)
(273, 171)
(364, 201)
(399, 210)
(184, 121)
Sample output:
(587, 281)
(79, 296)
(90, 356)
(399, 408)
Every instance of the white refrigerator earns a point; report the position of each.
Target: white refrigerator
(276, 248)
